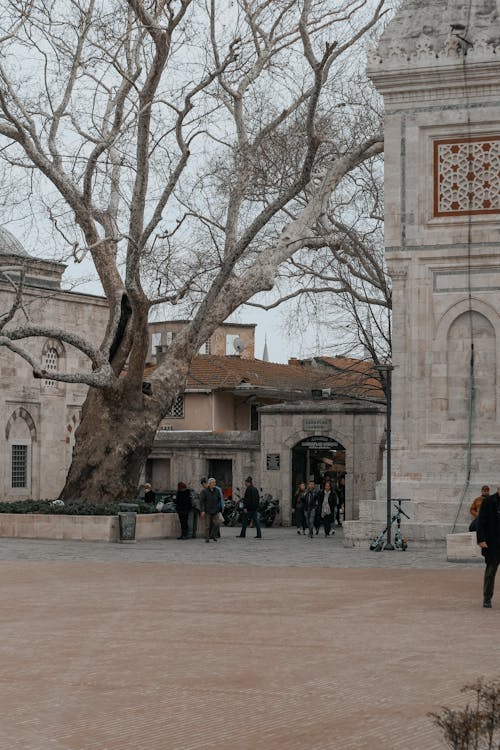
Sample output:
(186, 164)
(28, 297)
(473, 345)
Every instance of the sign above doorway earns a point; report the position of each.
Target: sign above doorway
(316, 424)
(319, 443)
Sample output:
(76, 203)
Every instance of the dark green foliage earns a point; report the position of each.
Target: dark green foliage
(69, 509)
(476, 727)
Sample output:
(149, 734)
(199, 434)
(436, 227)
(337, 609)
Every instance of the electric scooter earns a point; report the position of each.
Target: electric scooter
(400, 542)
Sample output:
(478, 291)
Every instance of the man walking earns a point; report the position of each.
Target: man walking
(210, 505)
(251, 501)
(488, 538)
(310, 506)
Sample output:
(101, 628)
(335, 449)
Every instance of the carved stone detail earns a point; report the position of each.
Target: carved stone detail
(467, 176)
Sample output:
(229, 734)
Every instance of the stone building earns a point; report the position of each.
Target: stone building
(437, 66)
(282, 424)
(238, 415)
(38, 417)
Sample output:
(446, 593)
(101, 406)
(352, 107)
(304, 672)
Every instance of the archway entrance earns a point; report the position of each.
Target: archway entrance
(316, 458)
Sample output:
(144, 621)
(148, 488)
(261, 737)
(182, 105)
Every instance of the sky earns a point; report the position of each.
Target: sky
(272, 325)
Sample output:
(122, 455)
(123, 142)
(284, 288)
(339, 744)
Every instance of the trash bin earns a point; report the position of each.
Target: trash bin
(127, 517)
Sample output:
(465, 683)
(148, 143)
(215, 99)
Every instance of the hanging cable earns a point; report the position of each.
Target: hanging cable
(464, 44)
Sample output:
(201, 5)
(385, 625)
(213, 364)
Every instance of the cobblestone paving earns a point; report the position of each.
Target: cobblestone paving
(282, 644)
(279, 546)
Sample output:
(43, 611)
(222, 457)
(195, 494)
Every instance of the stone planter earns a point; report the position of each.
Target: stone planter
(85, 528)
(463, 548)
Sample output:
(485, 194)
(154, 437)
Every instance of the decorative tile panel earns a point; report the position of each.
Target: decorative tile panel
(467, 176)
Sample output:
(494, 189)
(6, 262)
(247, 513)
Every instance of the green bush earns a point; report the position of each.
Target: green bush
(69, 509)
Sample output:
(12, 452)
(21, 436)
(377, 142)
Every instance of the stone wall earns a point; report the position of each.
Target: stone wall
(442, 220)
(358, 426)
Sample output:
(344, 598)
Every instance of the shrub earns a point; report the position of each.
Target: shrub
(475, 727)
(68, 509)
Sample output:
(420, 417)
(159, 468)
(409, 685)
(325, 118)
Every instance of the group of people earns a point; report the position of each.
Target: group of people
(187, 505)
(314, 507)
(209, 505)
(485, 510)
(212, 505)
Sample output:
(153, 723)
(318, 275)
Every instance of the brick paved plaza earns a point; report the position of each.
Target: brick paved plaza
(170, 645)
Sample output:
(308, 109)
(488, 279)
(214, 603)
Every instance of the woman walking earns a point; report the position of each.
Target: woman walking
(327, 503)
(298, 506)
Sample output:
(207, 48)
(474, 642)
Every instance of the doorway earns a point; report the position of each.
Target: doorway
(221, 469)
(316, 458)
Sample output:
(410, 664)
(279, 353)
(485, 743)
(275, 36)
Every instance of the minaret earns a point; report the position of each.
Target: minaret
(265, 353)
(437, 66)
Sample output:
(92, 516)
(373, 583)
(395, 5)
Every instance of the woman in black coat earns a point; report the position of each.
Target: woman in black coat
(183, 506)
(298, 507)
(326, 507)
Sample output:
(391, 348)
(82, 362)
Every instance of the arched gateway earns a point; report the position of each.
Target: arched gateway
(343, 438)
(319, 457)
(316, 457)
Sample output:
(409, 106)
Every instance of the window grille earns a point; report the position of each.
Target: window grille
(177, 408)
(19, 466)
(205, 348)
(50, 365)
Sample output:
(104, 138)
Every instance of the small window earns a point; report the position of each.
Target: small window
(155, 341)
(50, 364)
(19, 466)
(177, 408)
(205, 348)
(254, 417)
(230, 339)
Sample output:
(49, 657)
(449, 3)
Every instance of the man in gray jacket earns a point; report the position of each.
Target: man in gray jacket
(210, 505)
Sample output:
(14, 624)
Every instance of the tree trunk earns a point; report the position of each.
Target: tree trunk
(112, 442)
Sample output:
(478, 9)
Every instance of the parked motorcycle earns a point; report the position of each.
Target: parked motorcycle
(268, 509)
(233, 510)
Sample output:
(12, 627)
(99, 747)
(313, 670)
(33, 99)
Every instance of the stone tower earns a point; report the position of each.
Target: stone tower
(437, 67)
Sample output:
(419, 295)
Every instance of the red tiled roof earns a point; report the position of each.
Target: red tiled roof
(355, 376)
(219, 373)
(349, 377)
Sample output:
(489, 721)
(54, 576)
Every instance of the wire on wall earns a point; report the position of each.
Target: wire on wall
(463, 43)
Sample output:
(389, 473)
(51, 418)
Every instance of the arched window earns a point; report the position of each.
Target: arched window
(476, 327)
(53, 356)
(20, 434)
(50, 364)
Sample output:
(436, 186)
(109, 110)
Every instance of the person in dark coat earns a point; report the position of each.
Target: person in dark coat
(251, 502)
(298, 507)
(310, 506)
(488, 538)
(210, 505)
(327, 501)
(183, 507)
(149, 495)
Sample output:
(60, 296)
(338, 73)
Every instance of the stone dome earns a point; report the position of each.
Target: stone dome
(9, 245)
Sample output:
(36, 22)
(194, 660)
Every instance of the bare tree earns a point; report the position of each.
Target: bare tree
(143, 129)
(338, 281)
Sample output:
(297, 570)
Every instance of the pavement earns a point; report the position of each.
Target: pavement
(281, 643)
